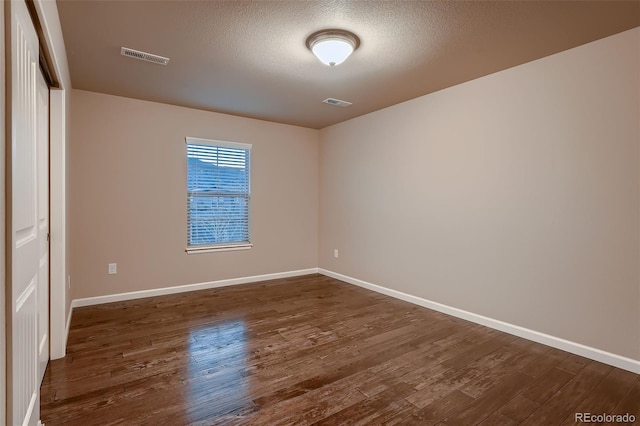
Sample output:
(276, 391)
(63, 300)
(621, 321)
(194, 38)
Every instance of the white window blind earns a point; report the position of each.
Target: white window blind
(218, 194)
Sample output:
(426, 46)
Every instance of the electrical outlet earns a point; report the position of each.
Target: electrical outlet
(113, 268)
(335, 253)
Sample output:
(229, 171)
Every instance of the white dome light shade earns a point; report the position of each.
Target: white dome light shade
(333, 47)
(332, 51)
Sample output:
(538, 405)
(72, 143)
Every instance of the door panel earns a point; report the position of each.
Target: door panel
(23, 394)
(42, 155)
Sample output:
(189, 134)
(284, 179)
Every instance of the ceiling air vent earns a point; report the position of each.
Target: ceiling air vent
(143, 56)
(337, 102)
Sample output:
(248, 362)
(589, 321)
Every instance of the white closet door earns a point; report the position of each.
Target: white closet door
(24, 250)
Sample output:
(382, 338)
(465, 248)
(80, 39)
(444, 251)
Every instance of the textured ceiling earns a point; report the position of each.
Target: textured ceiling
(249, 58)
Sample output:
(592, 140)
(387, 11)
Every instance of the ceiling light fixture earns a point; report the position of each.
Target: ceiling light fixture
(333, 47)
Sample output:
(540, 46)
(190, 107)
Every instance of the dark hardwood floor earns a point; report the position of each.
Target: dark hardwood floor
(313, 350)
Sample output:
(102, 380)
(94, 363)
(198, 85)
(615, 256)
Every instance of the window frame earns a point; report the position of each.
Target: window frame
(226, 246)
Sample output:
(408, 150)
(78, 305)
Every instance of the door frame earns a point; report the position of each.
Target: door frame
(44, 252)
(3, 100)
(52, 44)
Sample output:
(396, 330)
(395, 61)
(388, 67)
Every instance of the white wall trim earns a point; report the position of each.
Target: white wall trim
(57, 224)
(47, 12)
(67, 327)
(536, 336)
(89, 301)
(3, 196)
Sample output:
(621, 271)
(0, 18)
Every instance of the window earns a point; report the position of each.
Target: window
(218, 192)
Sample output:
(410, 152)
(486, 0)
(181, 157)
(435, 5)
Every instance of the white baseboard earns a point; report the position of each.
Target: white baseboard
(62, 352)
(546, 339)
(536, 336)
(67, 328)
(119, 297)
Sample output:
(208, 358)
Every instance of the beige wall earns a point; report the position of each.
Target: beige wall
(127, 176)
(514, 196)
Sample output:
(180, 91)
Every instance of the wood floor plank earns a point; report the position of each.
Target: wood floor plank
(608, 394)
(549, 384)
(524, 353)
(370, 408)
(311, 350)
(438, 410)
(544, 364)
(491, 401)
(439, 386)
(519, 408)
(497, 419)
(565, 401)
(630, 403)
(478, 351)
(396, 412)
(573, 363)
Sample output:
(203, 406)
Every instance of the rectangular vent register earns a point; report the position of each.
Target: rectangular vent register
(337, 102)
(144, 56)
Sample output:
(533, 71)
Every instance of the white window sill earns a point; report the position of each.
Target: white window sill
(211, 249)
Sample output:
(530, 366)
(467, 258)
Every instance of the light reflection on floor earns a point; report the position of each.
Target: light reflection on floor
(218, 376)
